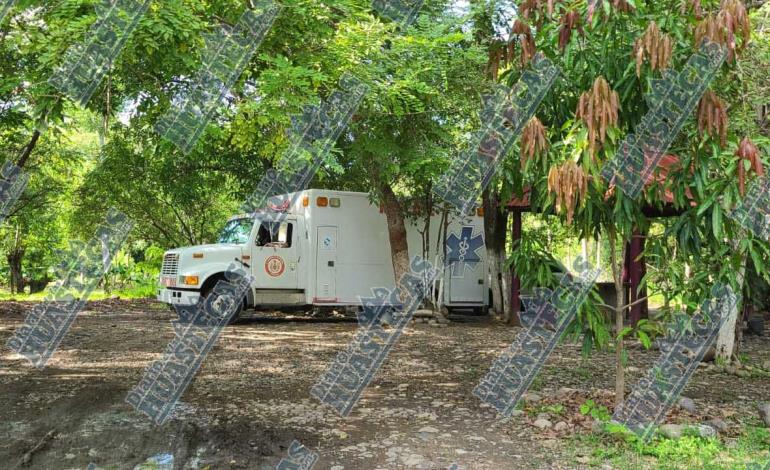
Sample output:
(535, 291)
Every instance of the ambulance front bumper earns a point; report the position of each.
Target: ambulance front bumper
(178, 297)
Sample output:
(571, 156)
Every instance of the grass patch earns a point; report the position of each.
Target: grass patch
(138, 292)
(581, 372)
(624, 452)
(537, 383)
(555, 410)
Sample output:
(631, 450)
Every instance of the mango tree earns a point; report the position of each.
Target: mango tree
(612, 53)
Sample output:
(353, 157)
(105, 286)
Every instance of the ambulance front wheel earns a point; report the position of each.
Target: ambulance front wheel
(215, 302)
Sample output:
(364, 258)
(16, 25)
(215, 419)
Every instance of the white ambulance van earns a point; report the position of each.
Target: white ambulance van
(330, 249)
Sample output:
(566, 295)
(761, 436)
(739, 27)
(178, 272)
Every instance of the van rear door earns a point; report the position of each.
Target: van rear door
(467, 269)
(468, 289)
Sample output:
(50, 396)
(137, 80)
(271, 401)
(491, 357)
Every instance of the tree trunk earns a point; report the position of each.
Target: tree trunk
(441, 251)
(428, 217)
(496, 275)
(637, 269)
(598, 252)
(495, 227)
(38, 285)
(515, 282)
(620, 302)
(15, 258)
(726, 344)
(399, 249)
(506, 288)
(28, 149)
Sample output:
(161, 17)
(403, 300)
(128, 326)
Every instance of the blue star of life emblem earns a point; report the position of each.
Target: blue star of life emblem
(463, 251)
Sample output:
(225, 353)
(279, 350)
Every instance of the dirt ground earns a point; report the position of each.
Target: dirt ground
(251, 398)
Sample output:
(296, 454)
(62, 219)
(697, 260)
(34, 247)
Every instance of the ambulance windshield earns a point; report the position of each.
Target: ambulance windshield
(236, 231)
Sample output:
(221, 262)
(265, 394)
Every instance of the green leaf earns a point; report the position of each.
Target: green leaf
(625, 332)
(704, 206)
(716, 221)
(645, 339)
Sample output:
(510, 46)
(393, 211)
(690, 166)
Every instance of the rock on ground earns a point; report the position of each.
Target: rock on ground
(717, 423)
(687, 404)
(543, 423)
(705, 431)
(676, 431)
(671, 431)
(764, 413)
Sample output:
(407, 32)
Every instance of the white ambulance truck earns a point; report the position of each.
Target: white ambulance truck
(330, 249)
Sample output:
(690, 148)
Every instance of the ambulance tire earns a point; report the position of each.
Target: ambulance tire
(207, 291)
(481, 310)
(756, 325)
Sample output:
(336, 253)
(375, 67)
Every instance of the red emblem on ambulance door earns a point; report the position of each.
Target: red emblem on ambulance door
(274, 266)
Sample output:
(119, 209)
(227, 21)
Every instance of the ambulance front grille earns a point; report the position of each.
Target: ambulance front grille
(170, 265)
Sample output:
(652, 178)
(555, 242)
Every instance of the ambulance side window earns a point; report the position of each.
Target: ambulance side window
(275, 235)
(263, 236)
